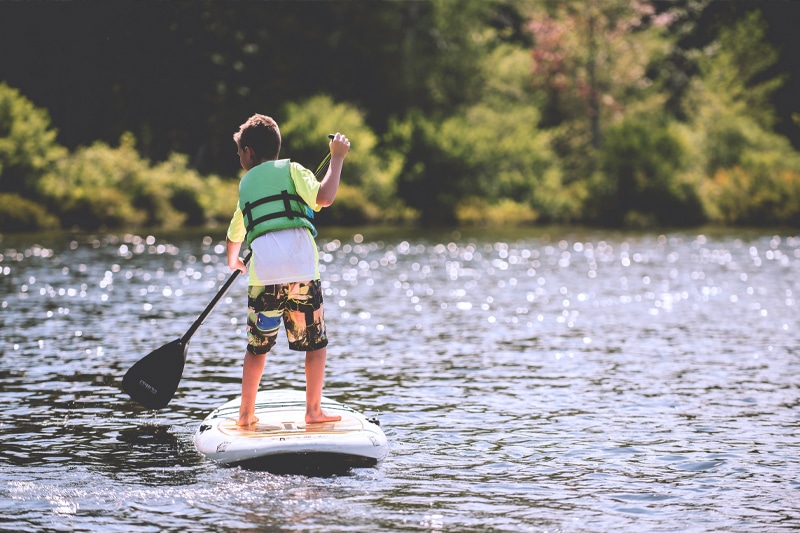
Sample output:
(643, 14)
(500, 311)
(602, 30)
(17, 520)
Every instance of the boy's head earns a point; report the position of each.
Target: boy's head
(258, 139)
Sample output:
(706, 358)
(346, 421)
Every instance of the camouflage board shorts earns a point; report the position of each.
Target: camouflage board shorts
(298, 304)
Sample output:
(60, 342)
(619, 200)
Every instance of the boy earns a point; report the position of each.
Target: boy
(276, 199)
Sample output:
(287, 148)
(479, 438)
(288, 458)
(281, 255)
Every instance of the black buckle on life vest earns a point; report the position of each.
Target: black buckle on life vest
(287, 207)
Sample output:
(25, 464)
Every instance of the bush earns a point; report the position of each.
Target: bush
(747, 175)
(642, 162)
(19, 214)
(428, 180)
(495, 153)
(194, 198)
(100, 186)
(305, 135)
(505, 212)
(218, 198)
(350, 208)
(105, 187)
(28, 147)
(489, 163)
(736, 196)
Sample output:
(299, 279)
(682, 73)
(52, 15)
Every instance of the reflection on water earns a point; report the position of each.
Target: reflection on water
(527, 380)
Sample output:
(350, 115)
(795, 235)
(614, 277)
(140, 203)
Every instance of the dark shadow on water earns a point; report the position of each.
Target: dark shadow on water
(151, 454)
(307, 464)
(151, 435)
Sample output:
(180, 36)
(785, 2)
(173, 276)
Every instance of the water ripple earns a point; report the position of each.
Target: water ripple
(527, 381)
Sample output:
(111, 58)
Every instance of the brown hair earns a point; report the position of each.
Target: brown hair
(262, 135)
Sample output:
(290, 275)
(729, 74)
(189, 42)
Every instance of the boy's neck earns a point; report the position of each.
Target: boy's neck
(260, 162)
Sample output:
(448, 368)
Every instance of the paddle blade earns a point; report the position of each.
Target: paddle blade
(152, 381)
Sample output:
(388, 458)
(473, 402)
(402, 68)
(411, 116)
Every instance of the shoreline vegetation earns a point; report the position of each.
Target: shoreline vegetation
(563, 116)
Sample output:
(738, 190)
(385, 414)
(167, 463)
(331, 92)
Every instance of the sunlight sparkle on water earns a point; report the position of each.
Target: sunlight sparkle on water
(561, 363)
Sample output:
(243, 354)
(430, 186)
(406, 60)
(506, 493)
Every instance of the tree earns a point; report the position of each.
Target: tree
(745, 173)
(642, 161)
(732, 70)
(591, 63)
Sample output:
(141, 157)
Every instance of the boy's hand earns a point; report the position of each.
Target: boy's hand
(340, 146)
(237, 264)
(234, 261)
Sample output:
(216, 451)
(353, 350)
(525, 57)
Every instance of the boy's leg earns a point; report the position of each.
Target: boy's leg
(252, 369)
(305, 328)
(315, 377)
(265, 306)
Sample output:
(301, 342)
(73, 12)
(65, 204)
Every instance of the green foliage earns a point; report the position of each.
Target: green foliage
(428, 178)
(200, 199)
(477, 211)
(94, 187)
(28, 147)
(642, 160)
(351, 208)
(762, 197)
(591, 60)
(372, 171)
(487, 160)
(758, 179)
(728, 101)
(20, 214)
(503, 155)
(452, 70)
(592, 66)
(743, 172)
(460, 112)
(100, 186)
(732, 74)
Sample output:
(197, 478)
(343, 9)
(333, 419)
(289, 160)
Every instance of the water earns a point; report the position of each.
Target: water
(548, 380)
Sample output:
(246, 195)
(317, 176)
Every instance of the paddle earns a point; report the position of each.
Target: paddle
(153, 380)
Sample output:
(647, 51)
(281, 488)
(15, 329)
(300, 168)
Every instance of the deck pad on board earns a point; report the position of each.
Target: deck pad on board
(276, 423)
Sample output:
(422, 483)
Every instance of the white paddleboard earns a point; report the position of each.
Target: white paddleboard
(282, 441)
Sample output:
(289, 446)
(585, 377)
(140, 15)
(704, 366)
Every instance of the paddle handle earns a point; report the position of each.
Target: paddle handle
(212, 304)
(325, 161)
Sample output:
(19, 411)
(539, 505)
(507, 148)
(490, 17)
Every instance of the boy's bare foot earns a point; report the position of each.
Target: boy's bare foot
(247, 422)
(321, 418)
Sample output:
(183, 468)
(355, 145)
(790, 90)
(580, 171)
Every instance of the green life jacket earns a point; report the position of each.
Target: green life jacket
(269, 201)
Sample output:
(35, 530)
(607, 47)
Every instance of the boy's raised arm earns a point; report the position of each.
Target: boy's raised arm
(340, 146)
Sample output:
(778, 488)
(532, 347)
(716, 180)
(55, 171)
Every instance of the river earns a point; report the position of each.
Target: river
(543, 380)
